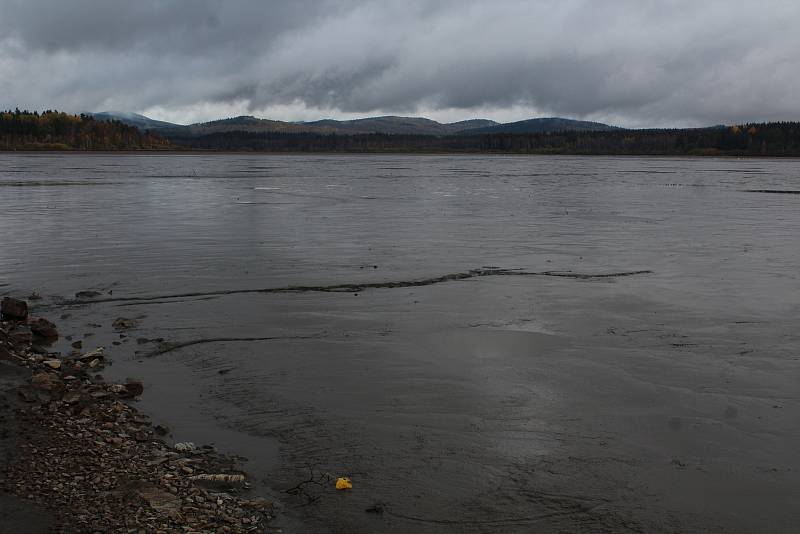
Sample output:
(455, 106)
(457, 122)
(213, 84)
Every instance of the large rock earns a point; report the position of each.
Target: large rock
(160, 500)
(42, 327)
(96, 354)
(131, 388)
(14, 309)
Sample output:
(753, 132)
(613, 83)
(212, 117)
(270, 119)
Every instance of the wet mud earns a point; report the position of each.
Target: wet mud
(583, 395)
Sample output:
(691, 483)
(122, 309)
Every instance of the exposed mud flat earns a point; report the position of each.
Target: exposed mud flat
(324, 337)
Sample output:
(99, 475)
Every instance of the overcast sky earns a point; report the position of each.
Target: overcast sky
(633, 63)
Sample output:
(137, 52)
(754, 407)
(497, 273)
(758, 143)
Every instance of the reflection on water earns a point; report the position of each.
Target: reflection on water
(188, 219)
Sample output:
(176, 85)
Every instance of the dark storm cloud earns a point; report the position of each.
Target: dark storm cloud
(637, 62)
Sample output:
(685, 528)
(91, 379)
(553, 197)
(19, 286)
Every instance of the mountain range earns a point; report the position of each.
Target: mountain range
(384, 125)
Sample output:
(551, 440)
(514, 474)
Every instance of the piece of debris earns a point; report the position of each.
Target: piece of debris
(377, 508)
(344, 483)
(87, 294)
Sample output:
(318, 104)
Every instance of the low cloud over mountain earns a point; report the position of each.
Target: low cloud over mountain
(631, 63)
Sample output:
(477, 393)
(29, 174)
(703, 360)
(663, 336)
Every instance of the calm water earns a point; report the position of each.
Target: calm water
(662, 401)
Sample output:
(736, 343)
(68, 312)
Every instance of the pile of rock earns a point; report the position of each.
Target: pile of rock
(98, 463)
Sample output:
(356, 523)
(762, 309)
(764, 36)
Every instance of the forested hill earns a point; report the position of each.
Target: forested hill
(53, 130)
(765, 139)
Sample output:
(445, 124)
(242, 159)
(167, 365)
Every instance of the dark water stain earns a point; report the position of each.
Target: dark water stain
(773, 191)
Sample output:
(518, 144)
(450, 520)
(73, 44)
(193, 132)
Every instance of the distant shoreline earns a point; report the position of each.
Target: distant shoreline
(190, 152)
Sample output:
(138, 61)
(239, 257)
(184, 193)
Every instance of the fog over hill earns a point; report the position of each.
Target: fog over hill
(132, 119)
(544, 125)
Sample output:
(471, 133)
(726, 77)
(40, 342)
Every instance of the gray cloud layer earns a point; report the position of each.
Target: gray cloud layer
(636, 62)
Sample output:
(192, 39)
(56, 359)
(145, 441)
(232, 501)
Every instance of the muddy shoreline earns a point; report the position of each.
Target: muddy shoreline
(80, 457)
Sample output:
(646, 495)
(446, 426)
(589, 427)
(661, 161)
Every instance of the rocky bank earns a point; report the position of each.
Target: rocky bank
(76, 447)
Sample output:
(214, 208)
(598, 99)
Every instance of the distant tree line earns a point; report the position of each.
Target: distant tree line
(53, 130)
(21, 130)
(763, 139)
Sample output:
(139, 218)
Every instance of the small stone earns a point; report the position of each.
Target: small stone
(72, 397)
(142, 436)
(261, 504)
(27, 395)
(53, 364)
(123, 323)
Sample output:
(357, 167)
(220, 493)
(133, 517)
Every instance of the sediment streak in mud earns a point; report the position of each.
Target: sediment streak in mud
(356, 287)
(170, 346)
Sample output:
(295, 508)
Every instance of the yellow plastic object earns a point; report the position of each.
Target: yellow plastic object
(343, 483)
